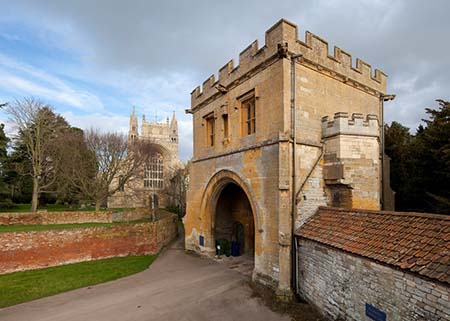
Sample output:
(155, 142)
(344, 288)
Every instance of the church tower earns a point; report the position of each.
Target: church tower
(133, 133)
(173, 135)
(155, 178)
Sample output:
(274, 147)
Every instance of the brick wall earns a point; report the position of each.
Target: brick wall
(38, 249)
(340, 284)
(29, 218)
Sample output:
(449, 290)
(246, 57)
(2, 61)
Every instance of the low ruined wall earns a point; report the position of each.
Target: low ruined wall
(69, 217)
(38, 249)
(131, 215)
(340, 284)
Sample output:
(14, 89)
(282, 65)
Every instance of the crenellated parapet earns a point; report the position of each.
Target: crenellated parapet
(357, 125)
(280, 41)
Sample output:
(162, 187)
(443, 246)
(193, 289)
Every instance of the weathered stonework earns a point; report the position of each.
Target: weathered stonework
(131, 215)
(73, 217)
(21, 251)
(44, 217)
(261, 163)
(340, 284)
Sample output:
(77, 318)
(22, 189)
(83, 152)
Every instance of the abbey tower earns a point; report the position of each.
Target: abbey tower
(155, 181)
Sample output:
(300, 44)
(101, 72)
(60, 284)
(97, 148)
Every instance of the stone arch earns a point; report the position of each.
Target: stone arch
(215, 186)
(160, 149)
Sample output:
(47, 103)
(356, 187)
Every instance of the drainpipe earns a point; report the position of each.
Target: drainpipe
(294, 58)
(383, 98)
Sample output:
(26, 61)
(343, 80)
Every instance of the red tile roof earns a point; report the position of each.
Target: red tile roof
(416, 242)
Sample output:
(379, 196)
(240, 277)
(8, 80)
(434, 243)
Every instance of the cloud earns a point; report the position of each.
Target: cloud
(154, 53)
(26, 80)
(185, 139)
(104, 122)
(118, 123)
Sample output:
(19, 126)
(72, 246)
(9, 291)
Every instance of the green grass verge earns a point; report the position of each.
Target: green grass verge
(25, 286)
(39, 227)
(44, 227)
(20, 208)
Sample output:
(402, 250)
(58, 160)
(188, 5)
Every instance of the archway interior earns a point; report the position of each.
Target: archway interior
(234, 226)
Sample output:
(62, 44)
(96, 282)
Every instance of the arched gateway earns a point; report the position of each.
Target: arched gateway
(233, 227)
(233, 217)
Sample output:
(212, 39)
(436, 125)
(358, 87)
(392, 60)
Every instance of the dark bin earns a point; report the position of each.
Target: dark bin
(224, 247)
(235, 248)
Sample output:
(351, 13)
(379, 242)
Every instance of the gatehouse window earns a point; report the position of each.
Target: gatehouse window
(225, 125)
(154, 172)
(248, 116)
(210, 130)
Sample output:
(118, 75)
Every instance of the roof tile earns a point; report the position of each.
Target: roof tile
(417, 242)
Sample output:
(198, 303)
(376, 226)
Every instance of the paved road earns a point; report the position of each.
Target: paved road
(177, 286)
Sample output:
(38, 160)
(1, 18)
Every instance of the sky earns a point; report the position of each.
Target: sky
(94, 60)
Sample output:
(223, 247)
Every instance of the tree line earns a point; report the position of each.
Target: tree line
(51, 161)
(420, 162)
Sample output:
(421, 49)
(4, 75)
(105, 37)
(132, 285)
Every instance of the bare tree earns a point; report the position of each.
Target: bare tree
(70, 150)
(178, 186)
(37, 127)
(107, 157)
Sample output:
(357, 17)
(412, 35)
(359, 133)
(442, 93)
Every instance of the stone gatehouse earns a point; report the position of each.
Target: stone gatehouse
(286, 100)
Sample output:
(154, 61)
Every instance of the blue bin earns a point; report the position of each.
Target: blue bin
(235, 248)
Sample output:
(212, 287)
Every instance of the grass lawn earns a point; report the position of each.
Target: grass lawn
(49, 207)
(44, 227)
(25, 286)
(20, 208)
(39, 227)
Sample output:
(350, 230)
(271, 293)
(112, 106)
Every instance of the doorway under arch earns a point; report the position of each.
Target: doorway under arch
(234, 226)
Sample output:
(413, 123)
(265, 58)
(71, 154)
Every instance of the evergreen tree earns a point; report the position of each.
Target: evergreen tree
(397, 146)
(5, 200)
(432, 147)
(420, 164)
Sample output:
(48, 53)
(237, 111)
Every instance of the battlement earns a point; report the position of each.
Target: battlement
(281, 39)
(356, 125)
(155, 124)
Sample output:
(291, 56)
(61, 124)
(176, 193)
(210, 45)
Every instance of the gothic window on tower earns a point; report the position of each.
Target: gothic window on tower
(154, 172)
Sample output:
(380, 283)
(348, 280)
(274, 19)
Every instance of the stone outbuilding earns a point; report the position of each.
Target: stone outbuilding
(289, 129)
(375, 265)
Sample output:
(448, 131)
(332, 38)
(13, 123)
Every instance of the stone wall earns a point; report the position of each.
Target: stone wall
(43, 217)
(340, 284)
(39, 249)
(131, 215)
